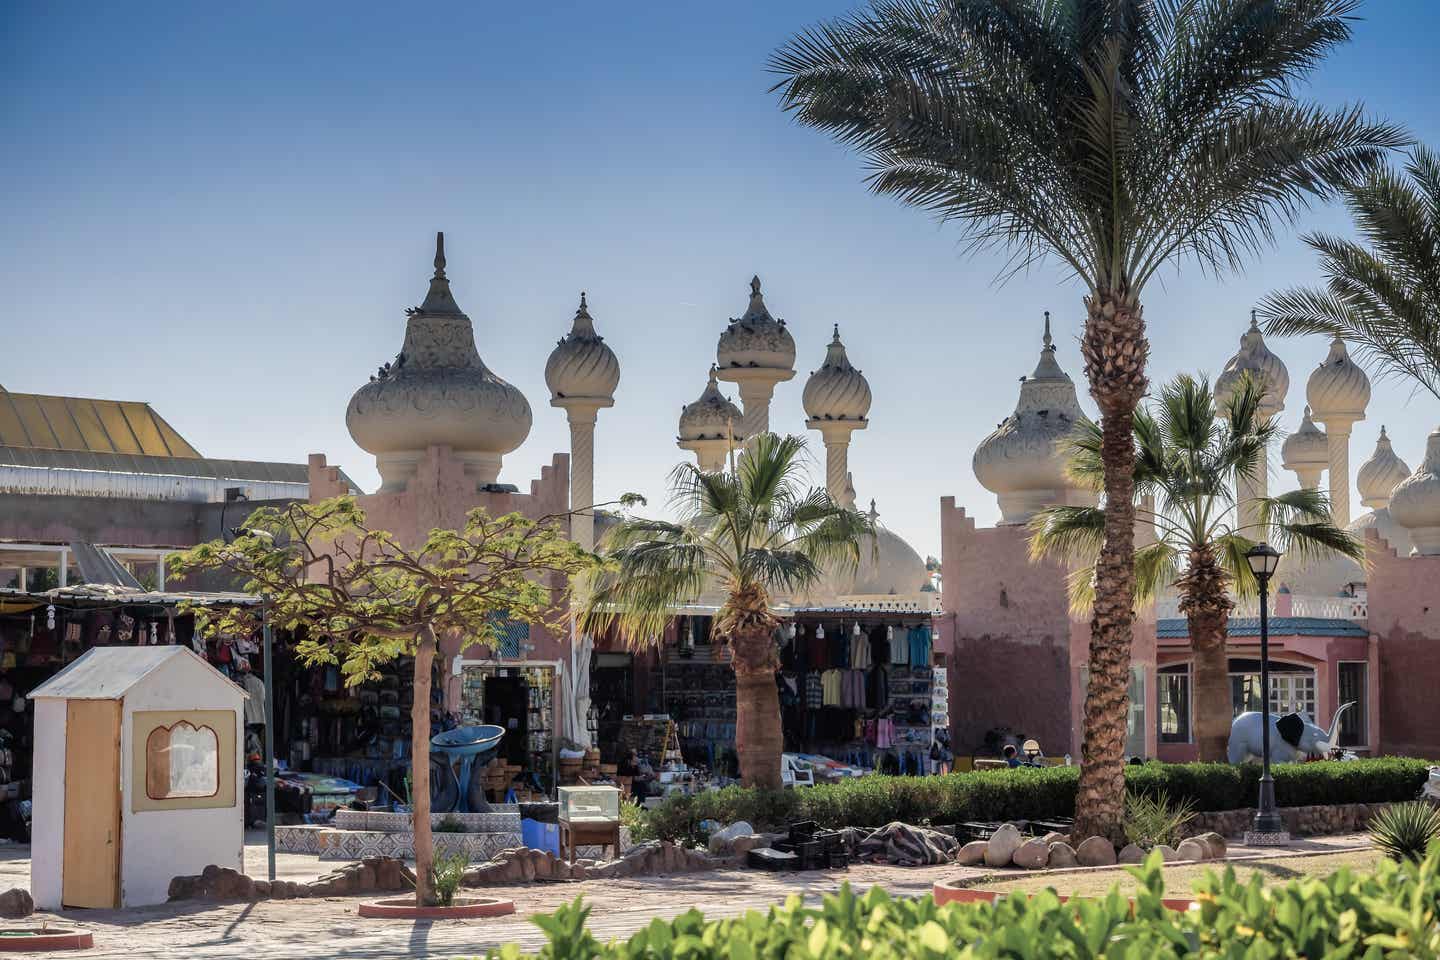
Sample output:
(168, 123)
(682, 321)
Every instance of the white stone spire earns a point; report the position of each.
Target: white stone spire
(1254, 358)
(1307, 452)
(1339, 392)
(710, 427)
(756, 352)
(1415, 504)
(582, 374)
(1022, 462)
(837, 399)
(1378, 477)
(437, 392)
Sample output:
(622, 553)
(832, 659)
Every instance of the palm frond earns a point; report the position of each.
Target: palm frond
(1067, 533)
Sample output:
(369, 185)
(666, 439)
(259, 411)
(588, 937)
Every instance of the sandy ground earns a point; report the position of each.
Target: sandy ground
(331, 928)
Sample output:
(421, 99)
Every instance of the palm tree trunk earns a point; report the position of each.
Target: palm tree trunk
(420, 770)
(1115, 351)
(758, 737)
(1205, 601)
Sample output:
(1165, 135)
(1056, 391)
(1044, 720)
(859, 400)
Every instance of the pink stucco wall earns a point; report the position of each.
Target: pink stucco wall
(440, 496)
(1404, 599)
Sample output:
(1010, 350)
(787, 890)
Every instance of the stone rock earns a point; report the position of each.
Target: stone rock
(1000, 848)
(262, 889)
(1131, 854)
(1215, 846)
(1191, 850)
(743, 845)
(1062, 855)
(1032, 855)
(1095, 852)
(1167, 852)
(16, 903)
(722, 840)
(1055, 836)
(388, 875)
(972, 854)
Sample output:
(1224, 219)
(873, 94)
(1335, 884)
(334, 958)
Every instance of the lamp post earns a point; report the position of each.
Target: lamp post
(1263, 559)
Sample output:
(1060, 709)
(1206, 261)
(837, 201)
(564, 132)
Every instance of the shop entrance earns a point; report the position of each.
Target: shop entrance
(520, 697)
(90, 869)
(506, 704)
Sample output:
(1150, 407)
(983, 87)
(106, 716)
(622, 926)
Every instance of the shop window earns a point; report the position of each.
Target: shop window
(1292, 688)
(1353, 677)
(182, 761)
(1175, 705)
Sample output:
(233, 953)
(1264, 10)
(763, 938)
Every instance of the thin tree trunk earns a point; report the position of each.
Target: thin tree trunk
(1115, 351)
(420, 770)
(1206, 604)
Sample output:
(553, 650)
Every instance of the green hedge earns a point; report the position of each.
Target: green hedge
(1029, 794)
(1390, 913)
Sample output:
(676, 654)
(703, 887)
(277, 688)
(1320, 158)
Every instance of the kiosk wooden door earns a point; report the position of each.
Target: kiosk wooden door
(90, 874)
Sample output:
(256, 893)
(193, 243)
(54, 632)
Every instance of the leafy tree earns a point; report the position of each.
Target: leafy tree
(1385, 300)
(750, 531)
(1189, 461)
(359, 598)
(1117, 137)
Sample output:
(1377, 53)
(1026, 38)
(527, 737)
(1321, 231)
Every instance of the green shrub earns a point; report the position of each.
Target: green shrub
(1405, 830)
(1390, 913)
(446, 873)
(449, 824)
(1028, 794)
(1152, 819)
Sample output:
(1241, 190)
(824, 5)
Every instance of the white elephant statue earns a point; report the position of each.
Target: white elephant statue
(1293, 736)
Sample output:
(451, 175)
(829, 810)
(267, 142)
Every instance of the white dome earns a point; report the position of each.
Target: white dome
(1307, 447)
(711, 417)
(1381, 474)
(837, 391)
(437, 392)
(1263, 366)
(582, 367)
(1415, 504)
(1020, 462)
(893, 567)
(756, 340)
(1338, 387)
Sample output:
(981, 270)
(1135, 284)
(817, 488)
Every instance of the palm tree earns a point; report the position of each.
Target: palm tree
(1116, 137)
(1189, 461)
(1384, 300)
(751, 531)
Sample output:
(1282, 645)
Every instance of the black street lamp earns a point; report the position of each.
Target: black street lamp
(1263, 560)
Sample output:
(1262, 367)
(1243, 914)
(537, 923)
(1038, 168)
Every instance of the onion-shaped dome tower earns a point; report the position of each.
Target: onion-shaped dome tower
(1381, 474)
(582, 374)
(1339, 392)
(1022, 462)
(1307, 452)
(1415, 504)
(756, 352)
(1255, 358)
(892, 568)
(710, 426)
(837, 399)
(437, 392)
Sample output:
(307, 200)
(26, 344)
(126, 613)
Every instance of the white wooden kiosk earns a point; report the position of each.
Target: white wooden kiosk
(138, 777)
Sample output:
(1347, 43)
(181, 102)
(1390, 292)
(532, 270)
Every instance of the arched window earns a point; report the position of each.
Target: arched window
(182, 760)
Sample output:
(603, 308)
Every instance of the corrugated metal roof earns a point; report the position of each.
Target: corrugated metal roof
(106, 673)
(257, 470)
(39, 422)
(1176, 627)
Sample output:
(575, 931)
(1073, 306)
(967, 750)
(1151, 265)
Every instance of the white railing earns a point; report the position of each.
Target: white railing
(1301, 605)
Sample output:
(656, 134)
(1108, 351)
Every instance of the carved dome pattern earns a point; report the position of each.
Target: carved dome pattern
(1263, 366)
(1381, 474)
(582, 365)
(711, 416)
(1415, 504)
(1306, 447)
(1338, 387)
(837, 391)
(756, 340)
(438, 391)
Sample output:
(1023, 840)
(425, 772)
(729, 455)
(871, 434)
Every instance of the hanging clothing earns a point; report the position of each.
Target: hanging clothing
(859, 651)
(832, 687)
(900, 648)
(814, 690)
(920, 647)
(255, 706)
(854, 692)
(839, 648)
(884, 733)
(817, 651)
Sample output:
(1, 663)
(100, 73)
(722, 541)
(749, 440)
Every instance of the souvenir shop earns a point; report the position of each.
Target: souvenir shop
(519, 695)
(856, 686)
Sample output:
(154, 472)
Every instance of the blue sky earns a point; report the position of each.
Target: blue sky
(224, 211)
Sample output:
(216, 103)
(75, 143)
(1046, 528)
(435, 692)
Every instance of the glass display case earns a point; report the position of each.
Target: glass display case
(589, 804)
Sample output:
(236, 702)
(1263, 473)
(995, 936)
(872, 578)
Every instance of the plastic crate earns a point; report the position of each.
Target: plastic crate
(838, 860)
(803, 830)
(766, 858)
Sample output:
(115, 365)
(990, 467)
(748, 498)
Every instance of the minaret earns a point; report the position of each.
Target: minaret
(837, 399)
(756, 352)
(582, 374)
(1339, 391)
(1306, 452)
(1378, 477)
(710, 427)
(1255, 359)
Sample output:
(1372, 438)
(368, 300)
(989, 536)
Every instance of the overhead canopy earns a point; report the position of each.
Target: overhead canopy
(39, 422)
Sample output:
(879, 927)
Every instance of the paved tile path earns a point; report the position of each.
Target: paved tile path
(330, 929)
